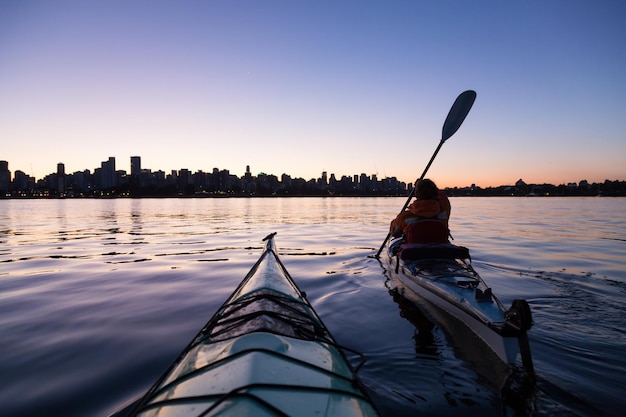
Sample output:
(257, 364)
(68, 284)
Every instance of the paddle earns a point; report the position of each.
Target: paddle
(454, 120)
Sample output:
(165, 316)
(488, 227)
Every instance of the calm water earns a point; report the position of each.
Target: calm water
(97, 297)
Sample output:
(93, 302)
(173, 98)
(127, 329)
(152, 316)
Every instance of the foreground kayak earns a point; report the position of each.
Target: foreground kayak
(264, 353)
(443, 275)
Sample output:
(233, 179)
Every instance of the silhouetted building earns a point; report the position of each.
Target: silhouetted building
(247, 183)
(61, 178)
(22, 183)
(5, 178)
(82, 182)
(185, 181)
(364, 183)
(108, 177)
(135, 166)
(323, 181)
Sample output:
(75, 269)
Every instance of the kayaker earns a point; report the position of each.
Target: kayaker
(426, 218)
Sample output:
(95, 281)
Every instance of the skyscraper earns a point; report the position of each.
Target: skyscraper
(61, 178)
(5, 177)
(135, 166)
(108, 174)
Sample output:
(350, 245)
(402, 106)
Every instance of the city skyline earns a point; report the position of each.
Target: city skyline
(305, 87)
(135, 167)
(111, 173)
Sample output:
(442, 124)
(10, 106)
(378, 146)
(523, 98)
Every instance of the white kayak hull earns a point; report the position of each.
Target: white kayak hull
(455, 287)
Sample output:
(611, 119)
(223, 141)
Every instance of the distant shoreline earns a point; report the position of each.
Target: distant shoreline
(271, 189)
(286, 196)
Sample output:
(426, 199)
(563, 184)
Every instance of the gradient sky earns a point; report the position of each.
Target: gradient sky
(302, 87)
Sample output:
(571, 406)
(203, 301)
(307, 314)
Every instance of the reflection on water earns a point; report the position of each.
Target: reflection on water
(424, 339)
(510, 385)
(98, 296)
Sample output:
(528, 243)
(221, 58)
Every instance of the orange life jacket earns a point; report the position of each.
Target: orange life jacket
(425, 221)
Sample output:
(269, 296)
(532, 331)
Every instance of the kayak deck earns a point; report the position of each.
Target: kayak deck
(460, 283)
(264, 353)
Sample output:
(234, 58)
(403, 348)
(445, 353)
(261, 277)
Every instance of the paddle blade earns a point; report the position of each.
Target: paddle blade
(457, 114)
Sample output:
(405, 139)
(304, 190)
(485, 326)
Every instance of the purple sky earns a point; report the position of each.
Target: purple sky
(302, 87)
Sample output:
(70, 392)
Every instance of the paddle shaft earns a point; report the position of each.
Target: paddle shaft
(408, 200)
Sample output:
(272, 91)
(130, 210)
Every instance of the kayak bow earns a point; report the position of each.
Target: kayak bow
(265, 352)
